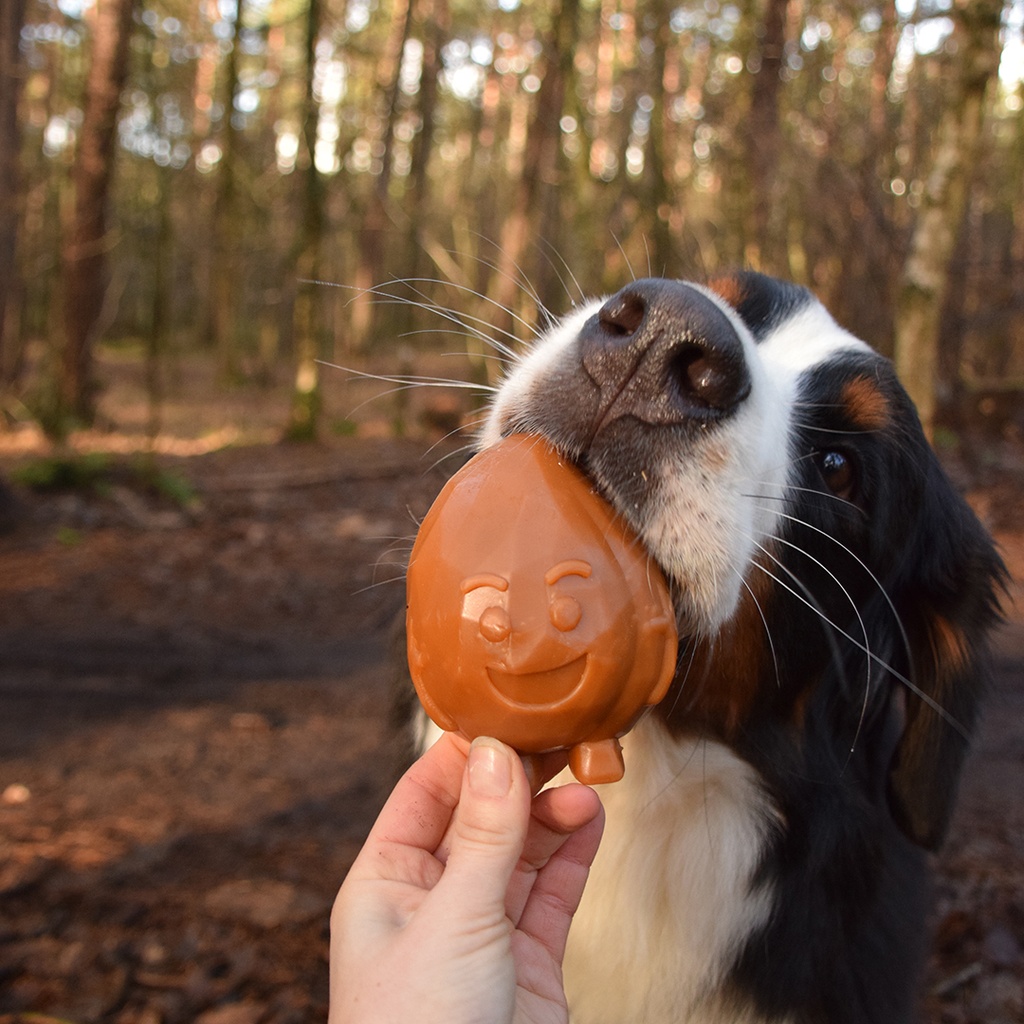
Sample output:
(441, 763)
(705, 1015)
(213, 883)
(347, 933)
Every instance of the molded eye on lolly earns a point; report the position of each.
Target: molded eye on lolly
(534, 614)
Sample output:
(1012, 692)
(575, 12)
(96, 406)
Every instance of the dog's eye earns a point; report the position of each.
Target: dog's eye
(837, 471)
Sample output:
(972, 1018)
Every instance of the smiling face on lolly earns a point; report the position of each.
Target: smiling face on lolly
(534, 631)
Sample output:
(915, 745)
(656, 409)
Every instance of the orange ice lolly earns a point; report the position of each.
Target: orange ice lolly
(535, 615)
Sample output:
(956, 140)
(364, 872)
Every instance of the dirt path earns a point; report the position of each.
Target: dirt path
(193, 741)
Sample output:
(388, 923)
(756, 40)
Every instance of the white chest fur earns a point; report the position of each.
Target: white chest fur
(669, 897)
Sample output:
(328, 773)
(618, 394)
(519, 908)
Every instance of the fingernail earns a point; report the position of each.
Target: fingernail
(490, 770)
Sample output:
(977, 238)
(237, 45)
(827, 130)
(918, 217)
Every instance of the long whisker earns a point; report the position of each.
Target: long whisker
(856, 611)
(384, 296)
(625, 256)
(461, 318)
(521, 280)
(407, 383)
(767, 631)
(647, 254)
(681, 686)
(806, 597)
(468, 447)
(412, 380)
(848, 506)
(817, 429)
(581, 295)
(380, 583)
(908, 650)
(899, 676)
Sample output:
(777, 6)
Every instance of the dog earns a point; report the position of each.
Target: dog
(765, 858)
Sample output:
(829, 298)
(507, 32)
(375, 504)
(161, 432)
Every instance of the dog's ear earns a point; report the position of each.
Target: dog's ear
(948, 611)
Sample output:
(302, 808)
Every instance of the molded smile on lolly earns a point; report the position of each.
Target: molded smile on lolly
(539, 689)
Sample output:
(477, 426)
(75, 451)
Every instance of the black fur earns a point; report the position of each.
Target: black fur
(866, 782)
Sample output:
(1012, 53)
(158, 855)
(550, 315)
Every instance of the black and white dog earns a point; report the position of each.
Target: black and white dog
(765, 856)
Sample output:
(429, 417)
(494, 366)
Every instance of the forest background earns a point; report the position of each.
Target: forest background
(206, 206)
(250, 183)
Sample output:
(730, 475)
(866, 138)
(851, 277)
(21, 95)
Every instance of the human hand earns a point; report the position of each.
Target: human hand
(458, 907)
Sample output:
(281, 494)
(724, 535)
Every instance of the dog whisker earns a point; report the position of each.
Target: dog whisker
(400, 578)
(466, 320)
(817, 428)
(767, 631)
(410, 381)
(580, 295)
(383, 296)
(680, 685)
(848, 506)
(856, 611)
(625, 257)
(949, 719)
(806, 597)
(470, 446)
(898, 621)
(522, 281)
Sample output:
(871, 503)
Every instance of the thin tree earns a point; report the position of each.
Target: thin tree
(305, 406)
(958, 137)
(86, 239)
(377, 221)
(224, 314)
(435, 22)
(767, 249)
(534, 205)
(12, 16)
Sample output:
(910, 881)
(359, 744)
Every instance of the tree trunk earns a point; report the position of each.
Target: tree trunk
(86, 240)
(943, 204)
(224, 318)
(767, 248)
(534, 207)
(12, 15)
(436, 21)
(655, 188)
(160, 325)
(377, 221)
(305, 409)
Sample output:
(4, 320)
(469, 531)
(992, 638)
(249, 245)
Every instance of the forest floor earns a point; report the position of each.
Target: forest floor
(194, 735)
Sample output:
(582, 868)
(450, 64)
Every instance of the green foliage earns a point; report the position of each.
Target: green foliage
(164, 483)
(97, 472)
(68, 536)
(65, 473)
(344, 427)
(48, 410)
(302, 424)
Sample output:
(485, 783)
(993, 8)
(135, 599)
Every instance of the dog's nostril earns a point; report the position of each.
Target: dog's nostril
(701, 377)
(623, 314)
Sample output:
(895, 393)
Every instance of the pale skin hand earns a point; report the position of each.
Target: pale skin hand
(458, 907)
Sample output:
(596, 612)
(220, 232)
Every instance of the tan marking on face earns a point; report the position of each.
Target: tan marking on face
(866, 405)
(728, 288)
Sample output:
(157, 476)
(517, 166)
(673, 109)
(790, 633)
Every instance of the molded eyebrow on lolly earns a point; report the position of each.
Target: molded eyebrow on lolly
(534, 614)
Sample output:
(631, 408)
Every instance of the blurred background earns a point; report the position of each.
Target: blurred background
(261, 262)
(230, 189)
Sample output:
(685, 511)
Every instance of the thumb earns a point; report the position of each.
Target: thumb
(490, 827)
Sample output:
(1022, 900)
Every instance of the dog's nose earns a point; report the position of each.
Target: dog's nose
(663, 352)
